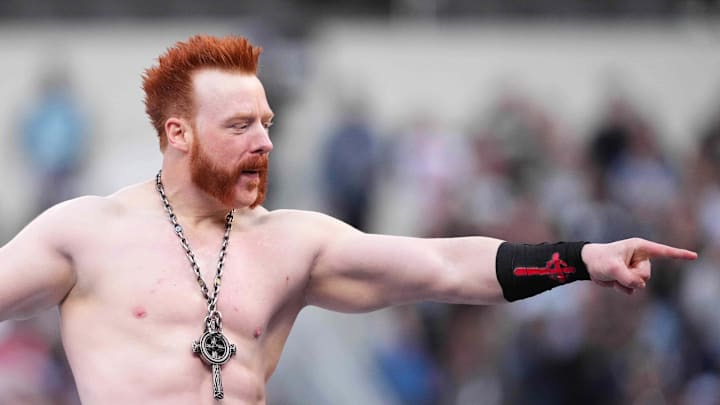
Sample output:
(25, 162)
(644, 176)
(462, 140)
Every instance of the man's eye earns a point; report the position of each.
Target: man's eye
(239, 126)
(267, 125)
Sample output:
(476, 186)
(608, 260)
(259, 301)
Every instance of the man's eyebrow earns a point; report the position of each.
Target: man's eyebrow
(239, 116)
(248, 116)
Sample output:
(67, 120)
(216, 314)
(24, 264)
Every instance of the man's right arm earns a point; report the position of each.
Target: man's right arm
(35, 271)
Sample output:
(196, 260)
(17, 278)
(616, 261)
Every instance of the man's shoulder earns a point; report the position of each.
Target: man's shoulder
(94, 207)
(67, 220)
(83, 206)
(135, 195)
(304, 221)
(296, 217)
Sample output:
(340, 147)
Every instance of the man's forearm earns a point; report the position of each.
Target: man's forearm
(469, 276)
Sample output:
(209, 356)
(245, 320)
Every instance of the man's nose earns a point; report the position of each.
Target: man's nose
(263, 144)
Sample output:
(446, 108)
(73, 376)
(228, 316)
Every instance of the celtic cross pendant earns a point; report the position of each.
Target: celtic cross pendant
(215, 350)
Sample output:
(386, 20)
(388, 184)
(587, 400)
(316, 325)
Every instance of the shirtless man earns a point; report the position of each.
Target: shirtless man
(130, 300)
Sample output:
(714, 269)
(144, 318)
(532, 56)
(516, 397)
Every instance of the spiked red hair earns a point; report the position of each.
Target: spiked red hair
(168, 85)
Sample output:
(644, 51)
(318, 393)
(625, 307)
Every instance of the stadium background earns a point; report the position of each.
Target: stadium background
(559, 119)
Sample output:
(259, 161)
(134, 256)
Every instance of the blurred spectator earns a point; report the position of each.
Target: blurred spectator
(53, 136)
(407, 366)
(33, 368)
(519, 127)
(487, 194)
(349, 168)
(702, 390)
(611, 138)
(637, 174)
(524, 173)
(469, 358)
(706, 182)
(428, 167)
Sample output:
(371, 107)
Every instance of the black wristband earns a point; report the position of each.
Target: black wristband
(527, 270)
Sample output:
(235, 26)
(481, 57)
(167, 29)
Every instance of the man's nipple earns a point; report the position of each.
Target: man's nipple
(139, 312)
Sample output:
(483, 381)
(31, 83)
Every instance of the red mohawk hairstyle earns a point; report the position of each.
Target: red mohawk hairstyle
(168, 85)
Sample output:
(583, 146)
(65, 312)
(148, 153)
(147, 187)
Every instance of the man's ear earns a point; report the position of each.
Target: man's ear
(178, 133)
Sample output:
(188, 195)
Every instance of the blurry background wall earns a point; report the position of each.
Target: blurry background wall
(561, 119)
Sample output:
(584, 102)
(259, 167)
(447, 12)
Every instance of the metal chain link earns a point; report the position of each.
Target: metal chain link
(213, 320)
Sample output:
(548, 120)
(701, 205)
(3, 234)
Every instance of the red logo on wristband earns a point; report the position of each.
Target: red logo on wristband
(555, 268)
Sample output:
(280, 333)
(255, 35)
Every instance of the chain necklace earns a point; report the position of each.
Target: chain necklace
(212, 347)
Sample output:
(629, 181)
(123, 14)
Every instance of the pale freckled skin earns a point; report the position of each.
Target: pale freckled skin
(263, 241)
(158, 283)
(258, 308)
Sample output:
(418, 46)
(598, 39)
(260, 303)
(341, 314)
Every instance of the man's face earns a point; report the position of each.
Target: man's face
(229, 154)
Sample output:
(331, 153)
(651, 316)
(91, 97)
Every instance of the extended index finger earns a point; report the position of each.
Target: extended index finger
(654, 249)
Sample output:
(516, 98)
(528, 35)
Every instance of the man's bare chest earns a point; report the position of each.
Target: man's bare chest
(142, 272)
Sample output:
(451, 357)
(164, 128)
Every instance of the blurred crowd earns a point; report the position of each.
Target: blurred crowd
(519, 174)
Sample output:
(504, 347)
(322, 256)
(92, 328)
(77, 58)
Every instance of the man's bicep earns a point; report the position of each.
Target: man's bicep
(35, 273)
(357, 272)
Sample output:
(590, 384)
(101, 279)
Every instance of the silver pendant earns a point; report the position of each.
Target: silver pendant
(215, 350)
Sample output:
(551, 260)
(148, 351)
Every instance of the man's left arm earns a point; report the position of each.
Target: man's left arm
(357, 272)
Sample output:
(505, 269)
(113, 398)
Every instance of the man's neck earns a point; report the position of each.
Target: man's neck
(193, 206)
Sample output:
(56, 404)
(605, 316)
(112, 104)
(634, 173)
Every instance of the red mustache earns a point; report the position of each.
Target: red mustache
(253, 163)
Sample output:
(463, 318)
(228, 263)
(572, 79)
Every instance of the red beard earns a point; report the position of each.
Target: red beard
(220, 182)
